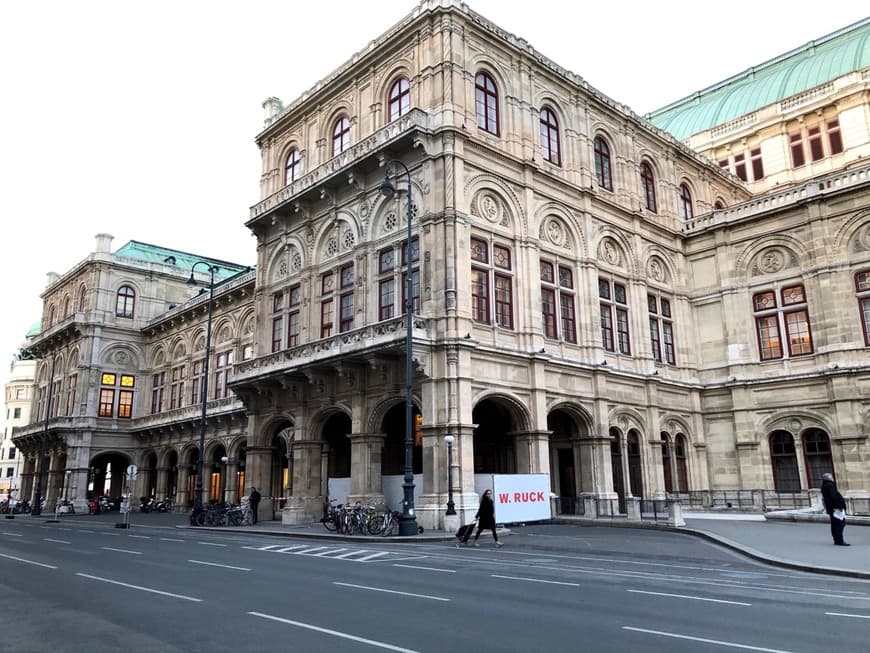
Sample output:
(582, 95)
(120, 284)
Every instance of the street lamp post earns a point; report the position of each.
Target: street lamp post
(36, 509)
(197, 500)
(224, 460)
(451, 508)
(408, 521)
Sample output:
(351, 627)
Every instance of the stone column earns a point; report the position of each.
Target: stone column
(597, 467)
(307, 501)
(365, 468)
(231, 481)
(51, 490)
(162, 483)
(258, 474)
(532, 452)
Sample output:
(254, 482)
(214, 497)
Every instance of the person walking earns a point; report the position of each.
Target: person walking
(254, 501)
(835, 506)
(486, 518)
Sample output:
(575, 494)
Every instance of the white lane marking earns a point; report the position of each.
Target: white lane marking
(170, 539)
(310, 549)
(48, 539)
(141, 537)
(349, 554)
(12, 534)
(537, 580)
(707, 641)
(335, 633)
(29, 562)
(379, 589)
(372, 556)
(108, 548)
(81, 530)
(845, 614)
(64, 529)
(112, 534)
(406, 558)
(139, 587)
(287, 549)
(329, 552)
(214, 564)
(210, 544)
(685, 596)
(448, 571)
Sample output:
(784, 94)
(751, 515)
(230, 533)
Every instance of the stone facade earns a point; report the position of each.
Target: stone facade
(589, 295)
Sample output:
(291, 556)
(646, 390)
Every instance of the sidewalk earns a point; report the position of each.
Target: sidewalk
(804, 544)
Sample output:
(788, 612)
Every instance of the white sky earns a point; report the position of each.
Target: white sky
(138, 118)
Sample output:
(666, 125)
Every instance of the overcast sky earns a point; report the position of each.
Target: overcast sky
(138, 118)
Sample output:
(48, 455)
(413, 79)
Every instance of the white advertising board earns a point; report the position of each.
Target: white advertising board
(518, 497)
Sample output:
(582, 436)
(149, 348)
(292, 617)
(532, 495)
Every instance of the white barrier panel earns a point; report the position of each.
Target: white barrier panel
(518, 497)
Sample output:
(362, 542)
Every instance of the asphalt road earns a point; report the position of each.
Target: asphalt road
(82, 585)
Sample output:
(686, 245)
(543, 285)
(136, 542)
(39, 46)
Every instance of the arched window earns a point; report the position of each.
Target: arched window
(83, 299)
(635, 468)
(680, 460)
(666, 462)
(65, 313)
(817, 455)
(399, 98)
(340, 135)
(719, 205)
(486, 101)
(293, 166)
(602, 164)
(649, 187)
(686, 210)
(616, 467)
(550, 137)
(125, 302)
(783, 459)
(51, 315)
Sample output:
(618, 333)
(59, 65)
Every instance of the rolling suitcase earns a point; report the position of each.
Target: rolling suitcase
(464, 533)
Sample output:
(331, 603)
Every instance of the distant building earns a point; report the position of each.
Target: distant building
(19, 400)
(592, 298)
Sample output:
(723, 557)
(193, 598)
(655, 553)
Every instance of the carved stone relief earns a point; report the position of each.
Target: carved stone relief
(609, 252)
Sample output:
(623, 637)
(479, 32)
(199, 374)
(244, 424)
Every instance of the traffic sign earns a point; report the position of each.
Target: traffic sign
(131, 471)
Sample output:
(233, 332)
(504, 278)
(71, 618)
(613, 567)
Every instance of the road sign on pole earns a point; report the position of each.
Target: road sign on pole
(131, 471)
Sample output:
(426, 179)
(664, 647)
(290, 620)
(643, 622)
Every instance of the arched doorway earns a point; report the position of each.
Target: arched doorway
(681, 463)
(783, 459)
(666, 462)
(393, 456)
(280, 468)
(616, 466)
(817, 456)
(148, 471)
(564, 460)
(108, 475)
(336, 430)
(635, 464)
(171, 476)
(214, 475)
(493, 443)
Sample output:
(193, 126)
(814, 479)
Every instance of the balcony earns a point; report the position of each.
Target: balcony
(68, 327)
(810, 190)
(191, 413)
(416, 120)
(387, 336)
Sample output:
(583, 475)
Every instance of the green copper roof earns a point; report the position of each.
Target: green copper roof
(819, 61)
(183, 260)
(35, 329)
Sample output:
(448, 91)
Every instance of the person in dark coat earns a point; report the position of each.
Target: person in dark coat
(834, 501)
(486, 518)
(254, 500)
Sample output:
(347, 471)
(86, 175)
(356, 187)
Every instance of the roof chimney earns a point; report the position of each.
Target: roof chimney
(104, 243)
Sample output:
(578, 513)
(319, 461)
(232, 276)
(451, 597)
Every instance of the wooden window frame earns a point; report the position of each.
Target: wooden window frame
(125, 302)
(292, 166)
(399, 98)
(486, 103)
(340, 135)
(862, 294)
(687, 210)
(648, 182)
(603, 168)
(550, 142)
